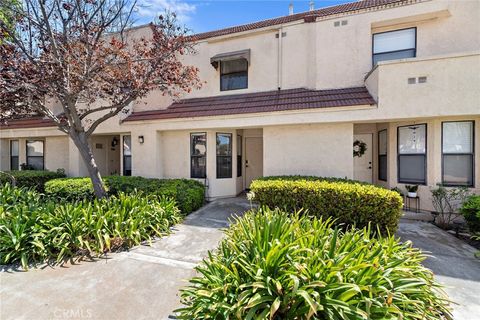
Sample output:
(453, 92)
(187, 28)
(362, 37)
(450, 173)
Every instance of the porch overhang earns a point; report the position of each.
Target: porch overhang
(260, 102)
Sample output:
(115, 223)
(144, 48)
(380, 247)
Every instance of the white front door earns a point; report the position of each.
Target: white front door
(362, 165)
(253, 159)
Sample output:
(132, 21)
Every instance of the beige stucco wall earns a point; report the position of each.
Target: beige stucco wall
(321, 150)
(173, 160)
(452, 87)
(319, 55)
(434, 155)
(56, 153)
(315, 55)
(345, 62)
(4, 155)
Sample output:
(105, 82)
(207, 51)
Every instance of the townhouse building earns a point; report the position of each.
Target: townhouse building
(382, 91)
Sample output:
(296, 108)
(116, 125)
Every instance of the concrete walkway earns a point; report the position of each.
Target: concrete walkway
(144, 282)
(140, 284)
(453, 263)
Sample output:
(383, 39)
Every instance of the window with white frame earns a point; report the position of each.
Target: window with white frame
(35, 152)
(391, 45)
(14, 154)
(127, 155)
(382, 155)
(458, 153)
(224, 155)
(239, 156)
(412, 154)
(198, 155)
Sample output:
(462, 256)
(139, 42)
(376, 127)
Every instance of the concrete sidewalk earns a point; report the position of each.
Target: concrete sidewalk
(453, 263)
(140, 284)
(144, 282)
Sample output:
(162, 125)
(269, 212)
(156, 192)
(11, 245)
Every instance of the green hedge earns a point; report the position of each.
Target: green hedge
(312, 178)
(471, 211)
(348, 202)
(35, 229)
(35, 179)
(276, 265)
(189, 194)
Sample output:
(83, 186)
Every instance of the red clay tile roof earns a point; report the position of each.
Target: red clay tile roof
(323, 12)
(30, 122)
(270, 101)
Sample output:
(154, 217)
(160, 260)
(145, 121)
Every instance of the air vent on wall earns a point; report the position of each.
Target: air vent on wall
(340, 23)
(422, 79)
(417, 80)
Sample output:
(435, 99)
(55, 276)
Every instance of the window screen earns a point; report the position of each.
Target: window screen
(224, 155)
(458, 153)
(382, 155)
(412, 154)
(14, 153)
(233, 74)
(239, 156)
(127, 155)
(198, 155)
(35, 157)
(398, 44)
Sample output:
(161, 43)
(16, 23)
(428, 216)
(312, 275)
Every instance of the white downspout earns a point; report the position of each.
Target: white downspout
(280, 59)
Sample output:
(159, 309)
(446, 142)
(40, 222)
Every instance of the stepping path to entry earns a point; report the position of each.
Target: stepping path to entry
(142, 283)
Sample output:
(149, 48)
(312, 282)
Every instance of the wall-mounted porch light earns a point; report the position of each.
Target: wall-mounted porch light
(141, 140)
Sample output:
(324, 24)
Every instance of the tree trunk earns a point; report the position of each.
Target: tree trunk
(81, 141)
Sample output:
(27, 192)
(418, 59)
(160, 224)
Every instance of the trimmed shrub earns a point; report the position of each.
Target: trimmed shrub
(33, 229)
(276, 265)
(348, 203)
(35, 179)
(189, 194)
(312, 178)
(70, 189)
(471, 211)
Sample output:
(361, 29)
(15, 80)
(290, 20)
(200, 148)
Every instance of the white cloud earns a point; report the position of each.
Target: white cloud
(149, 9)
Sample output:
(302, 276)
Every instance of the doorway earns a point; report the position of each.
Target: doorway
(253, 159)
(362, 162)
(106, 151)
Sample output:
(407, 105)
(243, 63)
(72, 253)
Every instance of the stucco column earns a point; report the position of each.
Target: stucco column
(76, 167)
(4, 154)
(147, 156)
(392, 155)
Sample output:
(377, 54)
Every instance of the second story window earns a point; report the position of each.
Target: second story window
(391, 45)
(233, 74)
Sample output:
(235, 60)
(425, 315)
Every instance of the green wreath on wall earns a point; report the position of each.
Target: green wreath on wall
(359, 148)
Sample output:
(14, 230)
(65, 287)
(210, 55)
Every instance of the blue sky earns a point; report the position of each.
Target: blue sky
(201, 16)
